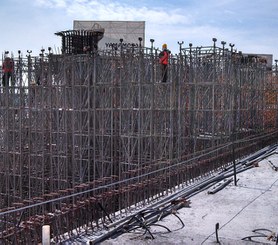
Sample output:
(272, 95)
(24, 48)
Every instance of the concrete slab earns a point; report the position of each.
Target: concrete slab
(252, 204)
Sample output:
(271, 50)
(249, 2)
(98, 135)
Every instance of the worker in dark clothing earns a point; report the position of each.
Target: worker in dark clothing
(164, 61)
(7, 68)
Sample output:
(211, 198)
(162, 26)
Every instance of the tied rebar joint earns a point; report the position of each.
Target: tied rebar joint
(180, 44)
(223, 45)
(232, 47)
(29, 53)
(140, 41)
(152, 41)
(214, 41)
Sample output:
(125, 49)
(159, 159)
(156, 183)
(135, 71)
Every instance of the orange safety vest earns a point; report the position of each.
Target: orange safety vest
(164, 59)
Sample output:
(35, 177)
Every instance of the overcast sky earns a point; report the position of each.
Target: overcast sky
(249, 24)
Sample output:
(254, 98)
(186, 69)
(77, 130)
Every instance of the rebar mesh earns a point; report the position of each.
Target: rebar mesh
(91, 132)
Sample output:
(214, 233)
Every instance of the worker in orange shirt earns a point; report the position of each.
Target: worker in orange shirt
(164, 61)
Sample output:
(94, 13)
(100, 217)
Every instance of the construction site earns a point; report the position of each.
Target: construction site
(87, 136)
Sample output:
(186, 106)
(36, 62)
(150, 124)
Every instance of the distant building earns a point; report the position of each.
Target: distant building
(260, 58)
(129, 31)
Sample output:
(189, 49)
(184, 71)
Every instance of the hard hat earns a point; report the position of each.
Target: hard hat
(164, 46)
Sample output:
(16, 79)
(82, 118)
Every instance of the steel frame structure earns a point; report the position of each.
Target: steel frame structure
(85, 136)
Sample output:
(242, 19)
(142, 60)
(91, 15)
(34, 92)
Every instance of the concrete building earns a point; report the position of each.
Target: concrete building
(129, 31)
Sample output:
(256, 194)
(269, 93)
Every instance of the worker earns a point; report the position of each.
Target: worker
(164, 61)
(7, 68)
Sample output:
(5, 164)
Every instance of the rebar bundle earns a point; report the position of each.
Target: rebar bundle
(85, 136)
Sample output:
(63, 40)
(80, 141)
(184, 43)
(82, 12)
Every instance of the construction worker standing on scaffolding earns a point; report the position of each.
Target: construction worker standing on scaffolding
(7, 68)
(164, 61)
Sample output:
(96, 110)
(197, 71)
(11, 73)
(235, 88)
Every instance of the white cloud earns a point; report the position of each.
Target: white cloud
(250, 25)
(161, 23)
(103, 10)
(51, 3)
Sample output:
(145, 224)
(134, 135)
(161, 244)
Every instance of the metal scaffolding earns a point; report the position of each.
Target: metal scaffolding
(86, 136)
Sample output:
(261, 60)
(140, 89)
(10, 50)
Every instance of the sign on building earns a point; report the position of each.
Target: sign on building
(129, 31)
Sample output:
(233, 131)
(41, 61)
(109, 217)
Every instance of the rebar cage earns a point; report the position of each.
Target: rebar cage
(88, 133)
